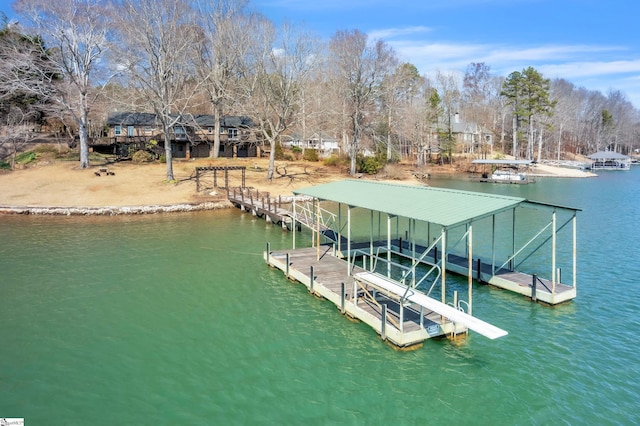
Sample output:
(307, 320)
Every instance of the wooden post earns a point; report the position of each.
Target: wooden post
(311, 278)
(383, 328)
(268, 251)
(286, 272)
(197, 179)
(534, 279)
(479, 262)
(215, 178)
(342, 298)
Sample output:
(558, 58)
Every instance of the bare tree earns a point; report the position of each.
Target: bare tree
(399, 93)
(221, 49)
(361, 68)
(75, 33)
(449, 89)
(154, 49)
(273, 77)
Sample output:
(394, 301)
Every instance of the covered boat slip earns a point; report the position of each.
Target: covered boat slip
(504, 171)
(396, 245)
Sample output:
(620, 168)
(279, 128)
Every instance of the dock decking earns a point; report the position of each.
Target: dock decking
(403, 326)
(261, 204)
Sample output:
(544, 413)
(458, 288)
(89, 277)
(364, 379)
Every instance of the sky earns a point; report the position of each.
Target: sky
(595, 44)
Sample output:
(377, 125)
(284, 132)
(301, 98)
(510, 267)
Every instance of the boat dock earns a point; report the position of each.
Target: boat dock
(483, 270)
(396, 282)
(405, 319)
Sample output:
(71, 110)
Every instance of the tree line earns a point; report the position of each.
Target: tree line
(76, 61)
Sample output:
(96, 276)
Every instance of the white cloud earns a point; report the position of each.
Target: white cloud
(388, 33)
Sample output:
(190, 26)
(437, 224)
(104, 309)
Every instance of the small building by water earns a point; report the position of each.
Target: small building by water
(609, 160)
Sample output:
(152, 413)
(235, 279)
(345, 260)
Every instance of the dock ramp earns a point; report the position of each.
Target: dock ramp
(459, 317)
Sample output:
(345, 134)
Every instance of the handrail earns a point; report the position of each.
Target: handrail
(407, 270)
(415, 262)
(306, 215)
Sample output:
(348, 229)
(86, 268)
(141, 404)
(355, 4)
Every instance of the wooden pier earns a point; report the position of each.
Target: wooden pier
(261, 204)
(405, 319)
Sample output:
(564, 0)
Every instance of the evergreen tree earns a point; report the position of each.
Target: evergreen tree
(528, 94)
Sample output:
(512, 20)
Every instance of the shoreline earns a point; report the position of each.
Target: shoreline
(59, 188)
(114, 210)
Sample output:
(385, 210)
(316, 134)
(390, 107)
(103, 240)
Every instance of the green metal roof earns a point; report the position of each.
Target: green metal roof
(445, 207)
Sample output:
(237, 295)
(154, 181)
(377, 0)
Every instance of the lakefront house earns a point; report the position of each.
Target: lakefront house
(191, 136)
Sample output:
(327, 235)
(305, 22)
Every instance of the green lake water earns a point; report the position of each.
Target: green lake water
(176, 319)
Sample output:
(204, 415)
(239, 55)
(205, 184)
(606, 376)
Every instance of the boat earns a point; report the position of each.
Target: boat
(504, 171)
(508, 175)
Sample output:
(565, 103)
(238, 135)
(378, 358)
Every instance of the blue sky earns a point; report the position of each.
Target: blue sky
(593, 43)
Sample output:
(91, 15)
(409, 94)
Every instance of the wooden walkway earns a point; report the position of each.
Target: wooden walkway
(331, 281)
(261, 204)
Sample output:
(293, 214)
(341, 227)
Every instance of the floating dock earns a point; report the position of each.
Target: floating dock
(404, 318)
(416, 237)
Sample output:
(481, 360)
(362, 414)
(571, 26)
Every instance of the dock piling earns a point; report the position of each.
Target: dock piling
(534, 278)
(268, 251)
(383, 328)
(311, 278)
(342, 298)
(287, 266)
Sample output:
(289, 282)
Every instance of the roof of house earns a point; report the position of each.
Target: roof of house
(445, 207)
(131, 119)
(149, 119)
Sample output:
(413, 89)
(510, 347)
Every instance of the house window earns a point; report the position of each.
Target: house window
(209, 130)
(180, 132)
(130, 130)
(118, 130)
(233, 133)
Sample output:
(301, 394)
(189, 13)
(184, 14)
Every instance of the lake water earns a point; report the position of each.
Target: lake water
(176, 319)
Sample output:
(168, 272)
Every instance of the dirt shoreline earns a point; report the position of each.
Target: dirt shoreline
(57, 187)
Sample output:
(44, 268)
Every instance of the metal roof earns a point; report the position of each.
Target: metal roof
(608, 155)
(445, 207)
